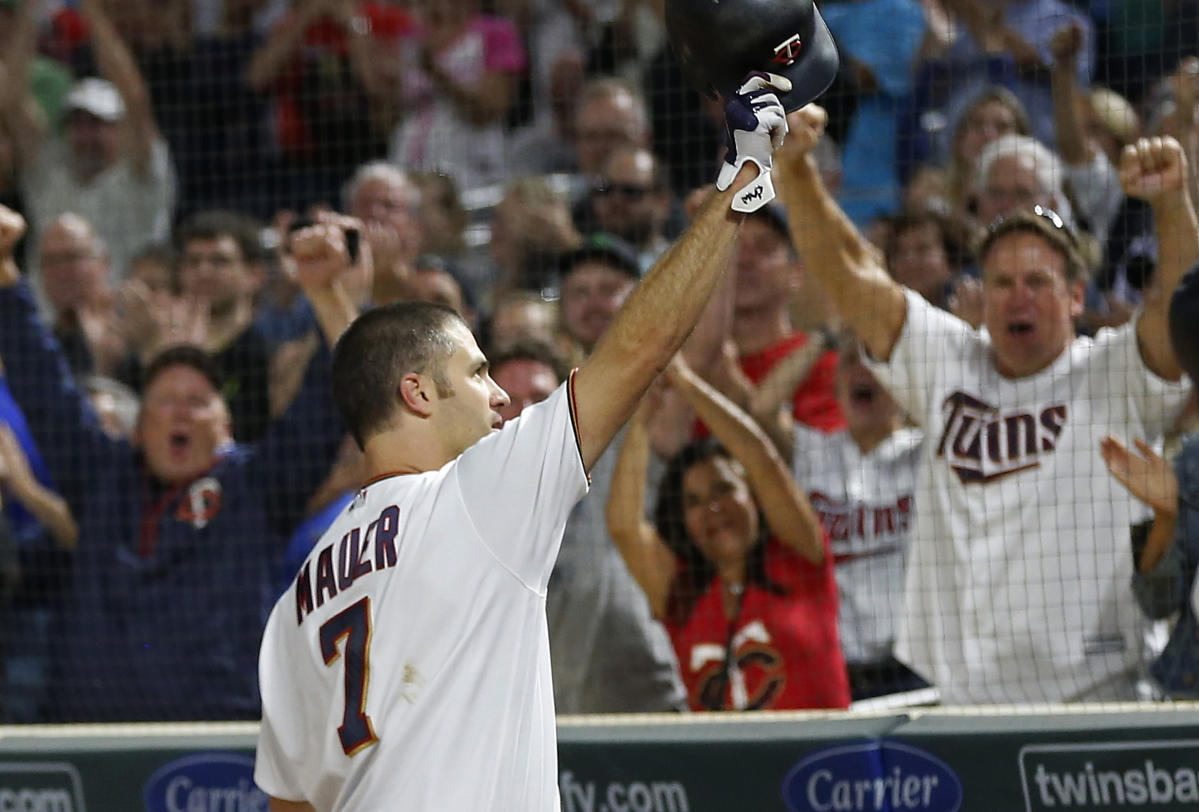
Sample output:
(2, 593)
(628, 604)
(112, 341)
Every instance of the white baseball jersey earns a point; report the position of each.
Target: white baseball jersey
(865, 504)
(408, 665)
(1018, 577)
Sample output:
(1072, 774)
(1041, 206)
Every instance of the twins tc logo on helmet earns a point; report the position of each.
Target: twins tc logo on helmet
(787, 51)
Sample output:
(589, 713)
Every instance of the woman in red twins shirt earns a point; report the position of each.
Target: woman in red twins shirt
(737, 567)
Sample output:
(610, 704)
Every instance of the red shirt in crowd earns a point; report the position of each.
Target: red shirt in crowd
(785, 651)
(815, 401)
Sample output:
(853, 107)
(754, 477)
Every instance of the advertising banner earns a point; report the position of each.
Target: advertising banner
(931, 762)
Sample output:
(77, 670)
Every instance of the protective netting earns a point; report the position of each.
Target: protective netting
(943, 528)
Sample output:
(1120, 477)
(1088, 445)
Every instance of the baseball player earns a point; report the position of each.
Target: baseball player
(407, 666)
(1017, 582)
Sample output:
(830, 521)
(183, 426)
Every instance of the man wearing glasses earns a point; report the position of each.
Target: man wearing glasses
(632, 201)
(1017, 582)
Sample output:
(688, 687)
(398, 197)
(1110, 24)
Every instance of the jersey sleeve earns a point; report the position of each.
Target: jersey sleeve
(1153, 402)
(519, 485)
(929, 339)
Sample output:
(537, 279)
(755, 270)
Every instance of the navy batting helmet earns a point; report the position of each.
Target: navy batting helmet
(1184, 323)
(718, 43)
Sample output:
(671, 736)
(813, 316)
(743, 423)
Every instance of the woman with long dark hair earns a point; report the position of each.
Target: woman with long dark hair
(735, 564)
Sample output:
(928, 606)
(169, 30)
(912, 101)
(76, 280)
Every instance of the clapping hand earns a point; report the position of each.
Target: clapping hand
(1147, 475)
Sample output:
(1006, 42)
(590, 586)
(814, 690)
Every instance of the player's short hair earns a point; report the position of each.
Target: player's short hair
(1050, 227)
(378, 350)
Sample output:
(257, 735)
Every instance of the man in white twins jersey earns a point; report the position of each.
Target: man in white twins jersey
(1018, 578)
(407, 666)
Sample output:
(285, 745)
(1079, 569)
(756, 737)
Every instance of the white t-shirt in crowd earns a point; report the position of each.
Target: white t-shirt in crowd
(408, 665)
(129, 211)
(865, 504)
(1018, 576)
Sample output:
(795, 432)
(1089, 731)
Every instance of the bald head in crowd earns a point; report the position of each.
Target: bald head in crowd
(1015, 173)
(74, 264)
(610, 114)
(380, 193)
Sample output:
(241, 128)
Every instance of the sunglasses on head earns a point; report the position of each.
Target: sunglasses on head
(1044, 213)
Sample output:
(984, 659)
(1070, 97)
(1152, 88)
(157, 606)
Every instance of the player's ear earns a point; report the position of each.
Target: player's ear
(414, 394)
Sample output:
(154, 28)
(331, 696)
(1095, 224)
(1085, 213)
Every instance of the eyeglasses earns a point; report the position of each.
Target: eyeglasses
(604, 188)
(1044, 213)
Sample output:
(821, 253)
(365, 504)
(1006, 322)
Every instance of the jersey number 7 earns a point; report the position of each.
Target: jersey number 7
(353, 625)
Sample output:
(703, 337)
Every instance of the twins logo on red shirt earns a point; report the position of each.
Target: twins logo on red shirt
(753, 680)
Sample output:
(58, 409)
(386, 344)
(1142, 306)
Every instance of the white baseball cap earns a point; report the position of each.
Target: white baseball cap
(98, 97)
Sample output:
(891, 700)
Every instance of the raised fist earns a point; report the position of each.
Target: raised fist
(323, 253)
(1065, 45)
(1153, 168)
(755, 125)
(805, 128)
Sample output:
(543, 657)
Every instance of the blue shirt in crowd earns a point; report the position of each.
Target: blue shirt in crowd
(171, 585)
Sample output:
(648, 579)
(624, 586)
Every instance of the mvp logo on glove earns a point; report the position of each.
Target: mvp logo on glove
(751, 196)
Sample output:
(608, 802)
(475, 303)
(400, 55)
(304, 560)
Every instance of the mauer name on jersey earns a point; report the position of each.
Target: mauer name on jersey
(983, 444)
(358, 555)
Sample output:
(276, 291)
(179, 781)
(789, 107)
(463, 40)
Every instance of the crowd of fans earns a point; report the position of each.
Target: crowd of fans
(208, 187)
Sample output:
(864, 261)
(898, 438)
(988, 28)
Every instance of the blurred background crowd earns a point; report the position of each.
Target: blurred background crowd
(522, 162)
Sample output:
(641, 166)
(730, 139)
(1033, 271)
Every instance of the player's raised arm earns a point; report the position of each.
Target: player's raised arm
(833, 251)
(660, 314)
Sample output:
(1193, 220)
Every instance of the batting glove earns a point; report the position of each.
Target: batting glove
(755, 124)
